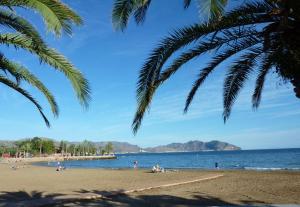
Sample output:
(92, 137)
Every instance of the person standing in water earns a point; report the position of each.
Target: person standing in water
(216, 165)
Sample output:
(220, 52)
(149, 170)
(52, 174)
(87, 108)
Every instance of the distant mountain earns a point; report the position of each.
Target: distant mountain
(121, 147)
(7, 143)
(193, 146)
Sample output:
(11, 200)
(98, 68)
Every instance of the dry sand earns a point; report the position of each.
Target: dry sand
(31, 185)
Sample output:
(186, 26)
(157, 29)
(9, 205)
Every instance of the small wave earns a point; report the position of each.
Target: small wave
(269, 168)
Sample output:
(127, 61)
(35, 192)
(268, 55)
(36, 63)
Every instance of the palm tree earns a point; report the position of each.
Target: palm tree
(25, 146)
(19, 33)
(123, 9)
(109, 148)
(263, 36)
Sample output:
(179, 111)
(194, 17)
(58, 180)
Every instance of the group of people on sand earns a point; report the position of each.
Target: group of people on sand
(155, 168)
(16, 164)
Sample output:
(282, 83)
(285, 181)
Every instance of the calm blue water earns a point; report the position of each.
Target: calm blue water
(275, 159)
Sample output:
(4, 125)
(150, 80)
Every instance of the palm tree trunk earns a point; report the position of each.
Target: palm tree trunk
(40, 150)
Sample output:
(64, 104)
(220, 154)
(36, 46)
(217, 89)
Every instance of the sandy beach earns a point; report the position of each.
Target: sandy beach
(41, 186)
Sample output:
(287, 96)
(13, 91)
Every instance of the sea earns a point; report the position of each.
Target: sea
(268, 159)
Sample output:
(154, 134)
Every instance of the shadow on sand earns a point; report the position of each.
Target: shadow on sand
(23, 198)
(111, 198)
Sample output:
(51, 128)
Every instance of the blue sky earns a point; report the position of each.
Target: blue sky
(111, 60)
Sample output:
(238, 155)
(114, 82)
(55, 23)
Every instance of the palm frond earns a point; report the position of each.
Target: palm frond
(186, 3)
(146, 91)
(151, 70)
(14, 86)
(188, 35)
(21, 25)
(56, 15)
(277, 34)
(122, 10)
(225, 38)
(217, 60)
(21, 73)
(54, 59)
(263, 71)
(17, 40)
(236, 77)
(79, 82)
(140, 12)
(211, 9)
(143, 105)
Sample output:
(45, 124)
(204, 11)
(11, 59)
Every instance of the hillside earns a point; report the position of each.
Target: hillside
(193, 146)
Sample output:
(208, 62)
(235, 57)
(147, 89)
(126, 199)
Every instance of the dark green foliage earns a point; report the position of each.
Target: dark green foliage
(261, 36)
(72, 149)
(11, 150)
(48, 146)
(36, 146)
(108, 148)
(40, 146)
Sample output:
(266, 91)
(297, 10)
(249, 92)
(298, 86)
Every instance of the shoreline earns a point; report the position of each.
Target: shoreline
(54, 158)
(36, 160)
(175, 169)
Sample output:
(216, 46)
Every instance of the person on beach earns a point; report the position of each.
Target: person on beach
(216, 165)
(59, 167)
(135, 164)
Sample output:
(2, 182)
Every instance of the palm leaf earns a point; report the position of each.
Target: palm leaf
(20, 25)
(224, 39)
(150, 76)
(56, 15)
(236, 77)
(150, 81)
(188, 35)
(122, 10)
(263, 71)
(79, 82)
(186, 3)
(54, 59)
(151, 84)
(143, 104)
(140, 12)
(217, 60)
(22, 73)
(211, 9)
(14, 86)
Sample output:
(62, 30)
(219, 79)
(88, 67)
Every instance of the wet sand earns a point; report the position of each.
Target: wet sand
(29, 185)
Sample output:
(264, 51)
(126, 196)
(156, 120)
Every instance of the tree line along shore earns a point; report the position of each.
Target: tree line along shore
(38, 147)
